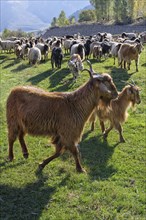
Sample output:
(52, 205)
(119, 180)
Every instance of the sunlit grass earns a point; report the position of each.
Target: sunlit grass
(114, 186)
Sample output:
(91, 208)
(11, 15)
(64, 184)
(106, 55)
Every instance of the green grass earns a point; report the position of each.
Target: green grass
(114, 186)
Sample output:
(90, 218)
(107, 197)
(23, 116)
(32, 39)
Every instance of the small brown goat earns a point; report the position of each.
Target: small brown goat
(115, 110)
(60, 115)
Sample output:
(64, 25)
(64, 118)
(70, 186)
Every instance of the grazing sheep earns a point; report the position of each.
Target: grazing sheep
(115, 111)
(60, 115)
(9, 45)
(87, 47)
(25, 50)
(128, 52)
(44, 48)
(97, 52)
(94, 43)
(130, 36)
(135, 41)
(67, 45)
(75, 65)
(78, 49)
(115, 46)
(142, 37)
(56, 57)
(34, 55)
(18, 50)
(56, 43)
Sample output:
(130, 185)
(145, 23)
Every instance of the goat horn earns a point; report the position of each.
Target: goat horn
(133, 82)
(90, 65)
(127, 83)
(90, 73)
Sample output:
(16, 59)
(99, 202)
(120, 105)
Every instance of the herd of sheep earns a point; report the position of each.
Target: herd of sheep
(63, 115)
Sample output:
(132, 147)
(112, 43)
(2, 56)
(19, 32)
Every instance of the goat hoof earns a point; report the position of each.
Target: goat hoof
(25, 155)
(9, 159)
(122, 141)
(81, 170)
(40, 167)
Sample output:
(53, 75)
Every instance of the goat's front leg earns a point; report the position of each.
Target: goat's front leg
(106, 132)
(120, 130)
(136, 64)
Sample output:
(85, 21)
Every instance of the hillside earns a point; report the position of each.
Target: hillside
(93, 28)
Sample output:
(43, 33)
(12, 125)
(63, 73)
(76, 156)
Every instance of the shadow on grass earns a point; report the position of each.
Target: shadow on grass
(20, 68)
(40, 77)
(27, 202)
(58, 79)
(144, 64)
(15, 61)
(118, 76)
(96, 157)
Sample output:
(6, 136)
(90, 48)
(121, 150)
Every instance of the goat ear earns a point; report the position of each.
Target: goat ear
(129, 91)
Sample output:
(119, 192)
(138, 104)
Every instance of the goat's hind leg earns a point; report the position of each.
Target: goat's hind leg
(59, 150)
(11, 139)
(23, 145)
(75, 152)
(106, 132)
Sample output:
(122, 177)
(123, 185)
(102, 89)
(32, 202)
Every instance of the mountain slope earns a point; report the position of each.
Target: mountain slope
(34, 15)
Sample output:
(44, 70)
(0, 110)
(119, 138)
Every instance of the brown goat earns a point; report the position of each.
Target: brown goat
(128, 52)
(60, 115)
(115, 110)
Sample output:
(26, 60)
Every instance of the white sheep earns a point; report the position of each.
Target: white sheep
(34, 55)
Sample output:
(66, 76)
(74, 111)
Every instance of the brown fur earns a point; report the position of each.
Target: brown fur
(128, 52)
(116, 110)
(60, 115)
(97, 52)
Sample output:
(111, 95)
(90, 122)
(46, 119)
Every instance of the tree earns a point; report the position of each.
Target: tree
(72, 20)
(102, 9)
(87, 15)
(62, 20)
(54, 22)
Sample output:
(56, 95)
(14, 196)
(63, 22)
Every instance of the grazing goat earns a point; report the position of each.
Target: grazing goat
(56, 57)
(128, 52)
(60, 115)
(75, 65)
(115, 111)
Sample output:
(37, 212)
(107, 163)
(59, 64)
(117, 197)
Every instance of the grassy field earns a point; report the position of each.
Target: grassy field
(113, 187)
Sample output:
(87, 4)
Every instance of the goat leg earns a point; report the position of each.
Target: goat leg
(136, 63)
(120, 130)
(74, 150)
(102, 126)
(105, 133)
(23, 145)
(59, 151)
